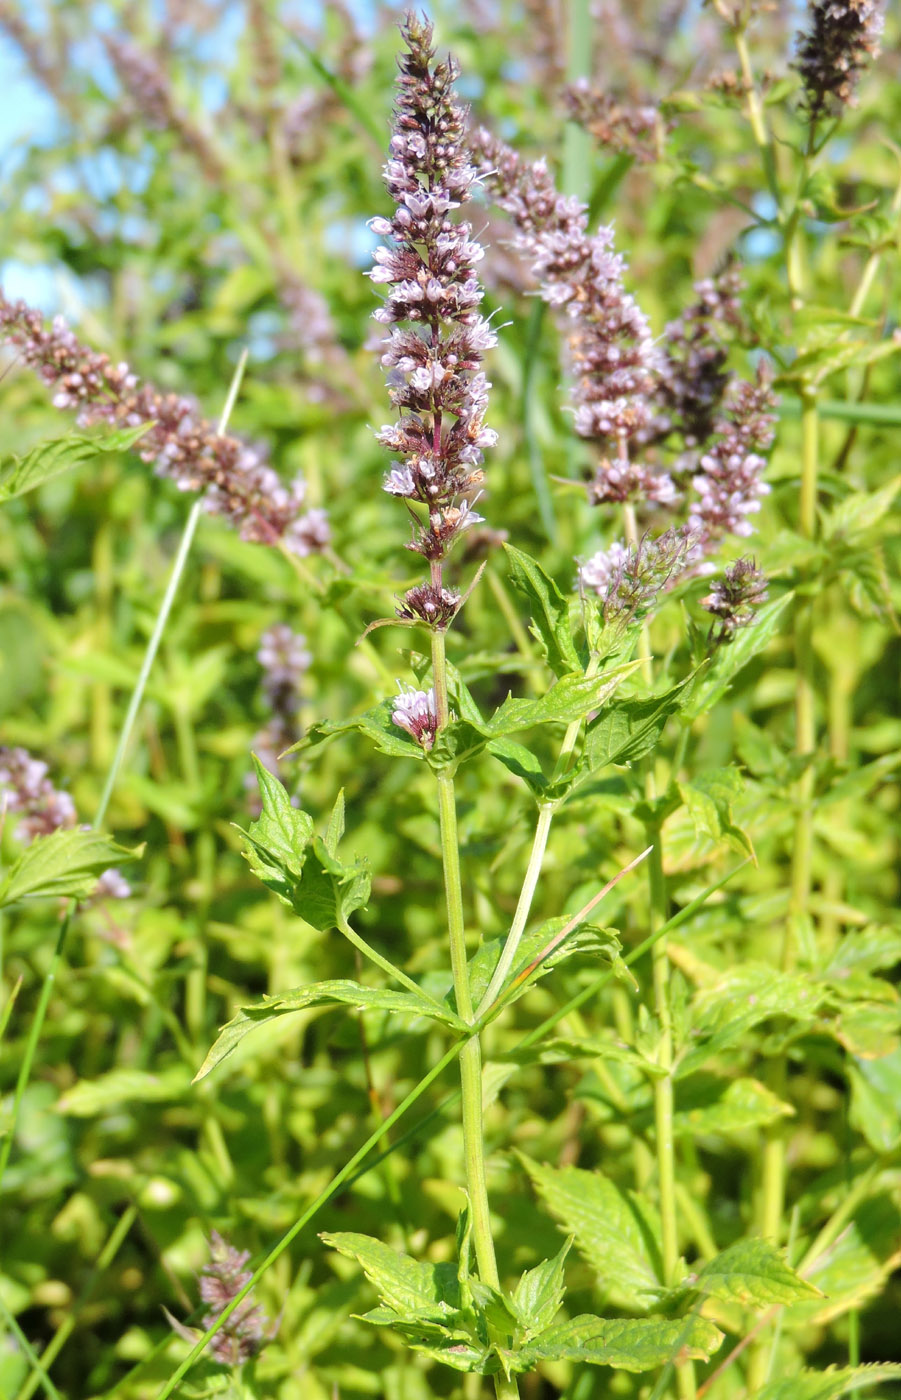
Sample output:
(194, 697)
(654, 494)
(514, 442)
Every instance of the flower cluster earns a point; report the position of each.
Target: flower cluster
(735, 598)
(42, 809)
(437, 607)
(628, 578)
(285, 659)
(416, 711)
(693, 379)
(245, 1332)
(729, 476)
(841, 39)
(183, 446)
(26, 789)
(148, 91)
(629, 129)
(612, 352)
(438, 335)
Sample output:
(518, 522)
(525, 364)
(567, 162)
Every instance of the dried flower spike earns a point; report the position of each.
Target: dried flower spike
(42, 808)
(245, 1332)
(629, 578)
(237, 481)
(285, 660)
(429, 267)
(735, 598)
(841, 39)
(612, 353)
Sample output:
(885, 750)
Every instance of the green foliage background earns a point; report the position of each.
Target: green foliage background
(175, 263)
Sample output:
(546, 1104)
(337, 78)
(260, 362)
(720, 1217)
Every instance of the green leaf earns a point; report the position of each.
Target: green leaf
(279, 838)
(375, 724)
(63, 863)
(549, 611)
(58, 455)
(571, 697)
(731, 658)
(752, 1272)
(856, 1266)
(634, 1344)
(539, 1294)
(517, 759)
(616, 1231)
(876, 1100)
(860, 512)
(831, 1384)
(627, 730)
(402, 1283)
(336, 993)
(709, 798)
(297, 865)
(585, 939)
(710, 1106)
(89, 1097)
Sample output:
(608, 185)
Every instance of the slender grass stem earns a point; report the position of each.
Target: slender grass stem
(137, 696)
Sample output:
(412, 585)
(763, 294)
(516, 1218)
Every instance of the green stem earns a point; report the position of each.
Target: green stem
(771, 1205)
(757, 118)
(471, 1053)
(178, 568)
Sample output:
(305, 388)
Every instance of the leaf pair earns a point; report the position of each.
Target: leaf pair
(457, 1320)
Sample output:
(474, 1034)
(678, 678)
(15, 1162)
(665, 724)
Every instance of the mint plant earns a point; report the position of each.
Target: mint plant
(541, 879)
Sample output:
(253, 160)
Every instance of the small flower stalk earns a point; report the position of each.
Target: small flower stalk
(236, 480)
(438, 336)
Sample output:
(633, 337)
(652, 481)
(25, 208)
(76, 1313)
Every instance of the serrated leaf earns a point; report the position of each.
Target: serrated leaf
(709, 798)
(731, 658)
(538, 1296)
(616, 1231)
(831, 1384)
(860, 512)
(626, 730)
(629, 1344)
(297, 865)
(517, 759)
(876, 1100)
(19, 474)
(856, 1266)
(571, 697)
(586, 939)
(374, 724)
(752, 1272)
(63, 863)
(404, 1284)
(344, 993)
(278, 839)
(720, 1107)
(549, 611)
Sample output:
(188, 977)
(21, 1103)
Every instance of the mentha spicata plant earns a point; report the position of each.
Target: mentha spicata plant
(524, 811)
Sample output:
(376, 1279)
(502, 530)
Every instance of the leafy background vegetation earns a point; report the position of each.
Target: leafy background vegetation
(221, 202)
